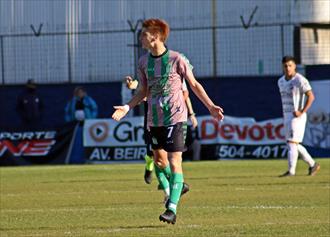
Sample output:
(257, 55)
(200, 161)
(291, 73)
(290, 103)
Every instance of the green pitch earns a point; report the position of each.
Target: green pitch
(227, 198)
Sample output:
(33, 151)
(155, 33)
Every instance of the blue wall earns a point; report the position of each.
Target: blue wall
(256, 97)
(253, 97)
(55, 98)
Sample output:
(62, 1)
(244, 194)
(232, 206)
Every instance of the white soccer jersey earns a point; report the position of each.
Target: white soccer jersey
(293, 93)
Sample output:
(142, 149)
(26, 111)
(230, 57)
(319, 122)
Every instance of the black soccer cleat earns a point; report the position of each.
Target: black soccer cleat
(168, 216)
(286, 174)
(147, 176)
(185, 188)
(313, 170)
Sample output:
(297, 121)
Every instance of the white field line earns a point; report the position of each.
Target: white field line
(79, 209)
(64, 168)
(82, 192)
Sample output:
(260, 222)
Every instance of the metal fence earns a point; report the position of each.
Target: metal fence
(91, 41)
(65, 57)
(101, 56)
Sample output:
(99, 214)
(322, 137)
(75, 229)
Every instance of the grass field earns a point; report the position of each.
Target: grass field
(227, 198)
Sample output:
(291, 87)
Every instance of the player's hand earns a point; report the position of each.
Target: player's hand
(128, 79)
(131, 83)
(193, 120)
(120, 112)
(217, 112)
(297, 113)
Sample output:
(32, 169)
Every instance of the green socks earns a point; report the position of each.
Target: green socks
(149, 162)
(176, 182)
(171, 183)
(163, 176)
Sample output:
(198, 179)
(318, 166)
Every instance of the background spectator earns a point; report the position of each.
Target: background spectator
(30, 106)
(80, 107)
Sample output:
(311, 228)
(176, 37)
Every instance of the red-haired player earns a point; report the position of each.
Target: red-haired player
(161, 73)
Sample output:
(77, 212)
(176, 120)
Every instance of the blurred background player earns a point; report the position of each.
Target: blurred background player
(161, 73)
(192, 140)
(127, 90)
(132, 85)
(293, 89)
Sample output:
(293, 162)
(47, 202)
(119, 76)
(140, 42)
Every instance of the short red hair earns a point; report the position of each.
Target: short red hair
(157, 26)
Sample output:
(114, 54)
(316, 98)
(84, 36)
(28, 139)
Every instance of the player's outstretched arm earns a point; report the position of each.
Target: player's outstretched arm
(122, 110)
(197, 88)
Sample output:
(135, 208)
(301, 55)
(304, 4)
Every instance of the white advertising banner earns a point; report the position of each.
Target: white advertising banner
(107, 140)
(233, 130)
(234, 137)
(242, 137)
(109, 133)
(244, 131)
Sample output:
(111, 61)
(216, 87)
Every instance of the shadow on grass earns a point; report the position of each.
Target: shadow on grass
(142, 227)
(91, 180)
(83, 227)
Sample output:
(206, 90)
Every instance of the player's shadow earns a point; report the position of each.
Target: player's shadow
(142, 227)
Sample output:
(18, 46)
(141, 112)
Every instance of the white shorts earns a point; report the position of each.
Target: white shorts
(295, 127)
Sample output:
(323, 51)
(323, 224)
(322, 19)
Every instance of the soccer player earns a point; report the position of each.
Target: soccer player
(161, 73)
(163, 181)
(293, 89)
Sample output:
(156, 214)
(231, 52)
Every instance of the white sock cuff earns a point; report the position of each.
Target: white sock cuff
(172, 206)
(167, 191)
